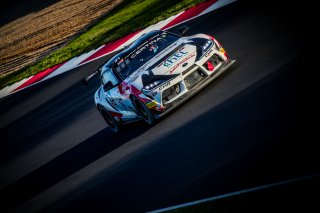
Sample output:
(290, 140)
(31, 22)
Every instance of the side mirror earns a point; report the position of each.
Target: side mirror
(107, 86)
(85, 81)
(183, 30)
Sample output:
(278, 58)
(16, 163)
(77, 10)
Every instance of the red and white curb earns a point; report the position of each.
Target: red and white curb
(108, 48)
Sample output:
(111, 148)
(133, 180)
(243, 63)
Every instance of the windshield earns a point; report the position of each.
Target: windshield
(143, 53)
(107, 75)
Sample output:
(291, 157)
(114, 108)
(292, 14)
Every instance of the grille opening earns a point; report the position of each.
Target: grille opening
(189, 69)
(194, 78)
(170, 93)
(215, 60)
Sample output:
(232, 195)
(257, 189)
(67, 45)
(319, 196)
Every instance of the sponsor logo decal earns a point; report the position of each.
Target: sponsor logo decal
(182, 62)
(222, 50)
(208, 53)
(164, 85)
(151, 104)
(174, 58)
(152, 42)
(154, 94)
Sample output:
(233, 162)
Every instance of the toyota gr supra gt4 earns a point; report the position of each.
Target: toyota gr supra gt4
(155, 74)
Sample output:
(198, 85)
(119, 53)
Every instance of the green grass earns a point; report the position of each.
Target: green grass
(129, 16)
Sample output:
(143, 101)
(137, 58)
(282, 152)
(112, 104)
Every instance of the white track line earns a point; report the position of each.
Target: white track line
(231, 194)
(9, 89)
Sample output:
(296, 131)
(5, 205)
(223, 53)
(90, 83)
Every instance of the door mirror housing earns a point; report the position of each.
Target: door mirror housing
(108, 86)
(183, 30)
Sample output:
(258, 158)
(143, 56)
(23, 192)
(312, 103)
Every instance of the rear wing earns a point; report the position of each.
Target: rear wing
(90, 76)
(86, 80)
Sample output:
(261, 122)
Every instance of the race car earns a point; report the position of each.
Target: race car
(155, 74)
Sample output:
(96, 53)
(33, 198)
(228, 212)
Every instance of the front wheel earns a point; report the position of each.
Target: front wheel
(143, 111)
(112, 123)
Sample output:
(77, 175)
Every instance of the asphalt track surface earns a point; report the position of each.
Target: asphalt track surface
(252, 126)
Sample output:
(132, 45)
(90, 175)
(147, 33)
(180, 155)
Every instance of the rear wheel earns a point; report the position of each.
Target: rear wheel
(112, 123)
(143, 111)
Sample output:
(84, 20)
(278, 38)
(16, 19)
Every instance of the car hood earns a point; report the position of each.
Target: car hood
(177, 60)
(169, 63)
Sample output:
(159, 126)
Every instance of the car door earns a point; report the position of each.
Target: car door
(113, 95)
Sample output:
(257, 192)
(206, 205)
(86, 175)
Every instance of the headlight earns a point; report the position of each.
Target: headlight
(151, 86)
(203, 45)
(206, 46)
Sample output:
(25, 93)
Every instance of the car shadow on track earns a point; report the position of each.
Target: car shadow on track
(68, 163)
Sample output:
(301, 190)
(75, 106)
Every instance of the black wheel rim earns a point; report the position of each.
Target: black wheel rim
(110, 121)
(142, 111)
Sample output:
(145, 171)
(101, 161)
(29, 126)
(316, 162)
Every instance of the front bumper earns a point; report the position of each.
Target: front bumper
(189, 84)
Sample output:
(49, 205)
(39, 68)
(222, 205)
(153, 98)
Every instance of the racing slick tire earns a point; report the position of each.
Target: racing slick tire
(143, 111)
(112, 123)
